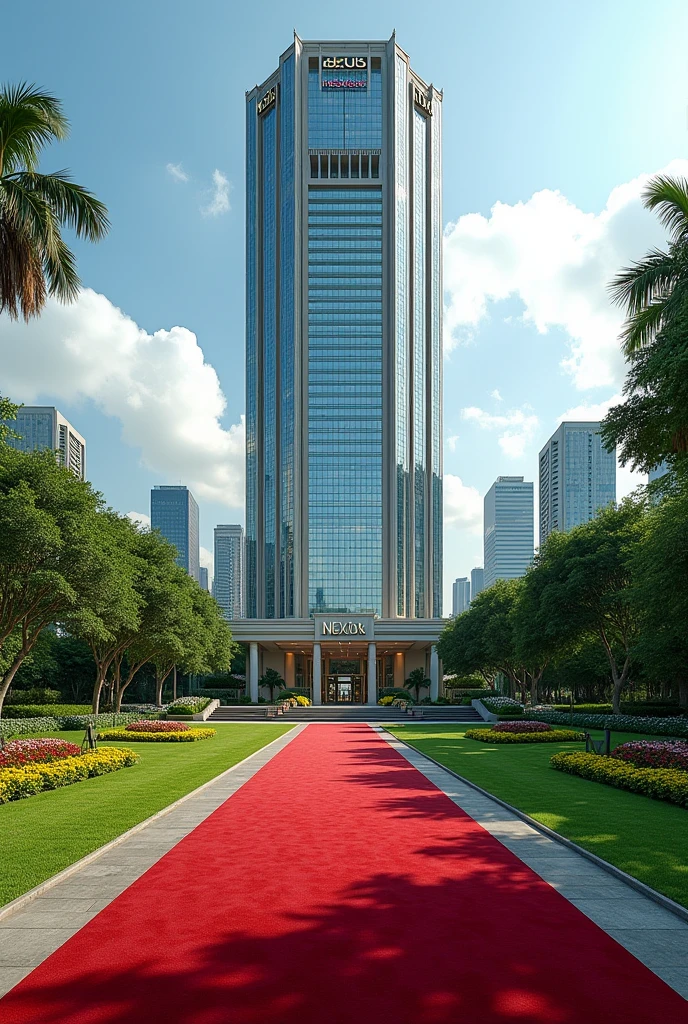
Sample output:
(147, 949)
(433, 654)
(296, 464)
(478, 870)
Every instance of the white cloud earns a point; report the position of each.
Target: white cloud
(587, 411)
(208, 561)
(463, 505)
(166, 396)
(451, 442)
(219, 200)
(140, 518)
(558, 260)
(177, 173)
(518, 427)
(496, 395)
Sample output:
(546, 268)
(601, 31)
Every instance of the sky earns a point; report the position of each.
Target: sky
(554, 116)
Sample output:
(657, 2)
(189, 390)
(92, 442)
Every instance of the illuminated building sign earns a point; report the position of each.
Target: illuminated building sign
(267, 101)
(344, 63)
(343, 83)
(343, 629)
(422, 101)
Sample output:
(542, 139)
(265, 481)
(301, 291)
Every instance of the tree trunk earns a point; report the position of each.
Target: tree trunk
(160, 678)
(97, 687)
(619, 682)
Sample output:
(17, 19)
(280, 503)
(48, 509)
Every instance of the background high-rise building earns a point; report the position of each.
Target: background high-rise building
(658, 472)
(203, 578)
(477, 581)
(461, 595)
(175, 513)
(577, 477)
(43, 426)
(344, 311)
(509, 529)
(228, 585)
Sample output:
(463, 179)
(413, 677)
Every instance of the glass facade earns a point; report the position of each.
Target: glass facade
(509, 529)
(577, 477)
(174, 513)
(343, 335)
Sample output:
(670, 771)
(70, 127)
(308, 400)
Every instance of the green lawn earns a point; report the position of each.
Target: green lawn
(43, 834)
(646, 838)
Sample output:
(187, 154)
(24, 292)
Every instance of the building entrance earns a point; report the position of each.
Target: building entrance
(345, 682)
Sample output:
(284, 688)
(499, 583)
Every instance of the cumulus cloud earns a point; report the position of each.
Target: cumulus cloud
(558, 260)
(590, 411)
(463, 505)
(141, 519)
(166, 396)
(219, 200)
(177, 173)
(496, 395)
(517, 427)
(451, 442)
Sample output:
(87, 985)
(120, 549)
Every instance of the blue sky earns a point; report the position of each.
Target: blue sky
(550, 109)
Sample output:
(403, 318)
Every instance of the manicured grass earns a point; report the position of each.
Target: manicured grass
(43, 834)
(646, 838)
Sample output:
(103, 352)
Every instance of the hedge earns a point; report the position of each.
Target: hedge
(188, 736)
(41, 710)
(555, 736)
(669, 784)
(641, 709)
(16, 783)
(619, 723)
(24, 726)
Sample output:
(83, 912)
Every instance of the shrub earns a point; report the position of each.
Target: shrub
(621, 723)
(24, 726)
(466, 696)
(502, 706)
(304, 702)
(639, 708)
(669, 784)
(554, 736)
(653, 754)
(396, 691)
(36, 695)
(386, 701)
(188, 706)
(178, 736)
(39, 710)
(156, 727)
(519, 725)
(16, 783)
(17, 753)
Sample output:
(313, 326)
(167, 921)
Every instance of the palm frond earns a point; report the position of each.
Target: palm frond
(22, 284)
(645, 282)
(60, 270)
(642, 327)
(29, 120)
(669, 198)
(74, 206)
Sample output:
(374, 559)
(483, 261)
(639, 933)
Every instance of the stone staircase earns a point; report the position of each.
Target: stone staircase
(346, 713)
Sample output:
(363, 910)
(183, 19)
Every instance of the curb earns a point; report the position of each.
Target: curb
(38, 890)
(611, 869)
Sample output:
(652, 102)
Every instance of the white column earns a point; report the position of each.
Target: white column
(434, 674)
(372, 671)
(317, 674)
(253, 672)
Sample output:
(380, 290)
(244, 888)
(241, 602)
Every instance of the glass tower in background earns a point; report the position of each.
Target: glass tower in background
(477, 581)
(343, 335)
(461, 596)
(174, 513)
(228, 585)
(43, 426)
(509, 529)
(577, 477)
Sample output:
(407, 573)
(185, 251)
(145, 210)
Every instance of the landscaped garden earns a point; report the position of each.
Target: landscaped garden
(648, 838)
(44, 834)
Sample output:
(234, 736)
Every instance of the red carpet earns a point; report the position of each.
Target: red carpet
(340, 886)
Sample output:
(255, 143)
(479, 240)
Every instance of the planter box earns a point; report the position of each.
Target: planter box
(200, 717)
(486, 715)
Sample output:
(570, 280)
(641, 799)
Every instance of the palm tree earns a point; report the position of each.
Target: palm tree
(655, 289)
(271, 679)
(34, 259)
(417, 680)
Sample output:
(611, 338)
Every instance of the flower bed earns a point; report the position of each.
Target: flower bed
(188, 706)
(24, 726)
(654, 754)
(519, 725)
(17, 753)
(16, 783)
(669, 784)
(553, 736)
(619, 723)
(502, 706)
(178, 736)
(156, 726)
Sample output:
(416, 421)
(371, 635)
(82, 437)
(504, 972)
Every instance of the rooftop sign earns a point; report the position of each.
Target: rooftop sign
(344, 63)
(422, 101)
(267, 100)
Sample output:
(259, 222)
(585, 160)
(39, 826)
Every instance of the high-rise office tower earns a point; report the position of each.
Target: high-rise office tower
(43, 426)
(477, 581)
(509, 529)
(175, 513)
(658, 472)
(228, 586)
(461, 595)
(577, 477)
(203, 578)
(344, 328)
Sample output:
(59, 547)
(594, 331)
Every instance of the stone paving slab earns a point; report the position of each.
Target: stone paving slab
(35, 929)
(654, 935)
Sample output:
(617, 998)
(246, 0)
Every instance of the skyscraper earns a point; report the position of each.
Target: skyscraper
(477, 581)
(175, 513)
(203, 578)
(577, 477)
(343, 370)
(509, 529)
(461, 596)
(43, 426)
(228, 586)
(344, 472)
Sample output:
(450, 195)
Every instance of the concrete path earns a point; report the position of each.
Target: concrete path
(655, 936)
(32, 931)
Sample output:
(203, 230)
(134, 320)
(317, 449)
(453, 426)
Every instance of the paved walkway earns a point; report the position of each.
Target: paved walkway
(338, 884)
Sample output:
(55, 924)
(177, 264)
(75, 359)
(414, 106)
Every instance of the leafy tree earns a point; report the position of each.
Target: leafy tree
(416, 681)
(34, 260)
(272, 679)
(8, 411)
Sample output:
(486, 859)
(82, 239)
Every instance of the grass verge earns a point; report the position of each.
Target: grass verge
(644, 837)
(43, 834)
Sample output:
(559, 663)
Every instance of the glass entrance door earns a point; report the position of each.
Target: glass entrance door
(344, 689)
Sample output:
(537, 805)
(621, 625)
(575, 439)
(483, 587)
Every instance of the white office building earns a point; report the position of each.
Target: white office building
(509, 540)
(577, 477)
(228, 585)
(44, 426)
